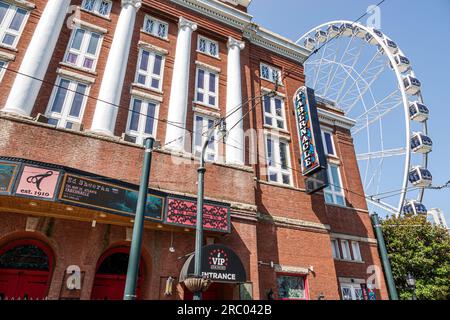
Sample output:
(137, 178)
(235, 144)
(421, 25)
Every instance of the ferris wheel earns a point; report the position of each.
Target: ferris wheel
(363, 73)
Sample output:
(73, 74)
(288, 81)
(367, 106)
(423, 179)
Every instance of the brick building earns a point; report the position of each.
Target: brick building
(83, 82)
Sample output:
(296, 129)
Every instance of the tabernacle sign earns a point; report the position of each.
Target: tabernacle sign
(308, 131)
(219, 264)
(107, 196)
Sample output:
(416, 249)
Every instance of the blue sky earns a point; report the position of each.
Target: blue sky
(420, 28)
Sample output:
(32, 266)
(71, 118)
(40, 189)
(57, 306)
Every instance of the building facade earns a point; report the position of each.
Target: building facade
(84, 82)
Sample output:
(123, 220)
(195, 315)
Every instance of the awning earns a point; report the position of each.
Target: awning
(219, 264)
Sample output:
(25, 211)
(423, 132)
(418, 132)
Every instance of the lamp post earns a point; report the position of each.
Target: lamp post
(199, 227)
(411, 282)
(136, 242)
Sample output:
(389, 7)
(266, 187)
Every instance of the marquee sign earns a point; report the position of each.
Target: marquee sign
(312, 154)
(219, 264)
(96, 194)
(38, 182)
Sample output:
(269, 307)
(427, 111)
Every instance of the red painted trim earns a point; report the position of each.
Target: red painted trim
(297, 275)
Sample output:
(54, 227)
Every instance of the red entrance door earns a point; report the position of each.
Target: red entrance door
(24, 271)
(109, 282)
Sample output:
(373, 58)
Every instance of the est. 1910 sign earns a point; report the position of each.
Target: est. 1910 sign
(308, 130)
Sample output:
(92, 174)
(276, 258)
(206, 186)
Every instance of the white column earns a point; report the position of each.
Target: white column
(175, 136)
(25, 89)
(235, 141)
(105, 115)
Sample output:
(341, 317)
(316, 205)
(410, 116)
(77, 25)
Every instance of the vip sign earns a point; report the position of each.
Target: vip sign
(218, 260)
(307, 125)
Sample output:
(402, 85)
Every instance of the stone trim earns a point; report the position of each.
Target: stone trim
(288, 222)
(7, 56)
(145, 95)
(352, 238)
(75, 76)
(333, 119)
(89, 26)
(205, 112)
(291, 269)
(349, 280)
(23, 4)
(151, 47)
(207, 66)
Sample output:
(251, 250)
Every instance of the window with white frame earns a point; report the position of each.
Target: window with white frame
(291, 287)
(335, 249)
(142, 121)
(208, 46)
(345, 250)
(83, 49)
(3, 66)
(207, 87)
(202, 125)
(156, 27)
(356, 251)
(150, 69)
(278, 160)
(327, 138)
(67, 104)
(12, 22)
(352, 291)
(270, 73)
(274, 113)
(101, 7)
(334, 193)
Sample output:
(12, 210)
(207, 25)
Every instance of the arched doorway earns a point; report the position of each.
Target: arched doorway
(25, 270)
(109, 282)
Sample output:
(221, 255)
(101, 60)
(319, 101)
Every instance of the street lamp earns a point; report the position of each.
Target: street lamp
(411, 282)
(202, 284)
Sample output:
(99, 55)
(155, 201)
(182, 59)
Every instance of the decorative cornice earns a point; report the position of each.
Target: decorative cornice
(7, 56)
(291, 269)
(275, 43)
(235, 43)
(184, 23)
(135, 3)
(219, 11)
(335, 119)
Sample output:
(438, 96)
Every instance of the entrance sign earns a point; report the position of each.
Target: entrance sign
(219, 264)
(107, 196)
(311, 147)
(38, 182)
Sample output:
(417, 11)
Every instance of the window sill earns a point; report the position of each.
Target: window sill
(11, 48)
(348, 260)
(277, 130)
(338, 206)
(108, 18)
(208, 55)
(152, 35)
(202, 104)
(66, 64)
(279, 185)
(141, 86)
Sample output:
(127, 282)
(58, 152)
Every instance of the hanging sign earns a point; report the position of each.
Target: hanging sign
(312, 153)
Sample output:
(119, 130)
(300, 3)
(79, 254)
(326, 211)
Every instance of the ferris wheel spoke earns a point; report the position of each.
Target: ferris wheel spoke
(374, 175)
(370, 74)
(383, 205)
(385, 112)
(381, 154)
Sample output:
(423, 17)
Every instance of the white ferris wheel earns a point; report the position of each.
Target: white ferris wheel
(363, 73)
